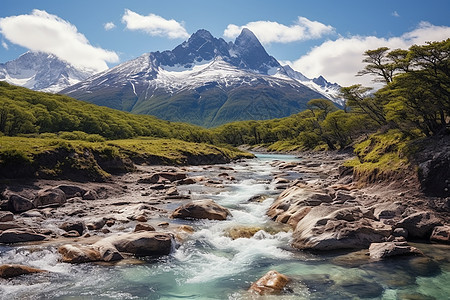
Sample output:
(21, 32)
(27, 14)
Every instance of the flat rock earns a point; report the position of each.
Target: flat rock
(201, 209)
(389, 249)
(14, 270)
(272, 282)
(10, 236)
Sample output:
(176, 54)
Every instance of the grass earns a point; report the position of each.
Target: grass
(382, 156)
(59, 158)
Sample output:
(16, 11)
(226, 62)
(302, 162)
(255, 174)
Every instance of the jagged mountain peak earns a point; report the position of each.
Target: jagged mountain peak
(42, 71)
(247, 38)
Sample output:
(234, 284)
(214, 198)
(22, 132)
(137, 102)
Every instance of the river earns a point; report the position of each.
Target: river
(211, 265)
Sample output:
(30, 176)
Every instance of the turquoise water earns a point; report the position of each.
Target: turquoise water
(210, 265)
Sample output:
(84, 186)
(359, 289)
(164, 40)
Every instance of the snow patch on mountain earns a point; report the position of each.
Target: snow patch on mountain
(42, 72)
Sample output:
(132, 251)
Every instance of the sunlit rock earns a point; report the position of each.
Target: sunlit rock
(201, 209)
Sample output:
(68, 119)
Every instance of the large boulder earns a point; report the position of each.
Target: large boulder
(272, 282)
(289, 207)
(142, 243)
(18, 204)
(331, 228)
(50, 196)
(389, 249)
(441, 234)
(10, 236)
(201, 209)
(14, 270)
(419, 225)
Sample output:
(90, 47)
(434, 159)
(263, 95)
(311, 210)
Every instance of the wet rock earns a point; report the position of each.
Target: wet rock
(361, 288)
(18, 204)
(331, 228)
(201, 209)
(242, 231)
(10, 236)
(163, 224)
(72, 191)
(186, 228)
(51, 196)
(143, 227)
(441, 234)
(14, 270)
(258, 198)
(142, 243)
(389, 249)
(79, 254)
(419, 225)
(6, 216)
(272, 282)
(77, 226)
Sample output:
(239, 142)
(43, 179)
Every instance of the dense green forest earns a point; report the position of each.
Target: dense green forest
(23, 111)
(414, 102)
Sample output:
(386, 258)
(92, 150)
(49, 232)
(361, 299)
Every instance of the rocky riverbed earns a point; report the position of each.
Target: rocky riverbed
(230, 222)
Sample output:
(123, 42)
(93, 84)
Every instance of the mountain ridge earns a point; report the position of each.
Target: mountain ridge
(205, 81)
(42, 72)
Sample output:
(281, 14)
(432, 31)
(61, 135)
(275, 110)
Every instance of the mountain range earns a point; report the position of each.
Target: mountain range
(205, 81)
(42, 72)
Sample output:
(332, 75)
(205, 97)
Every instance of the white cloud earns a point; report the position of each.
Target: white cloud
(154, 25)
(341, 59)
(273, 32)
(41, 31)
(109, 26)
(395, 14)
(5, 45)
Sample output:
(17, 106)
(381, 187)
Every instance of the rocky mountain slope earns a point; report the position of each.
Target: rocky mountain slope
(41, 72)
(205, 81)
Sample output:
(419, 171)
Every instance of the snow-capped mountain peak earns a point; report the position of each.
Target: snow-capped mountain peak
(42, 71)
(205, 81)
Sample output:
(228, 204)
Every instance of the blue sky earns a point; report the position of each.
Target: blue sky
(315, 37)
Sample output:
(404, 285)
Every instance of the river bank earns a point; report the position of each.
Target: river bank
(209, 258)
